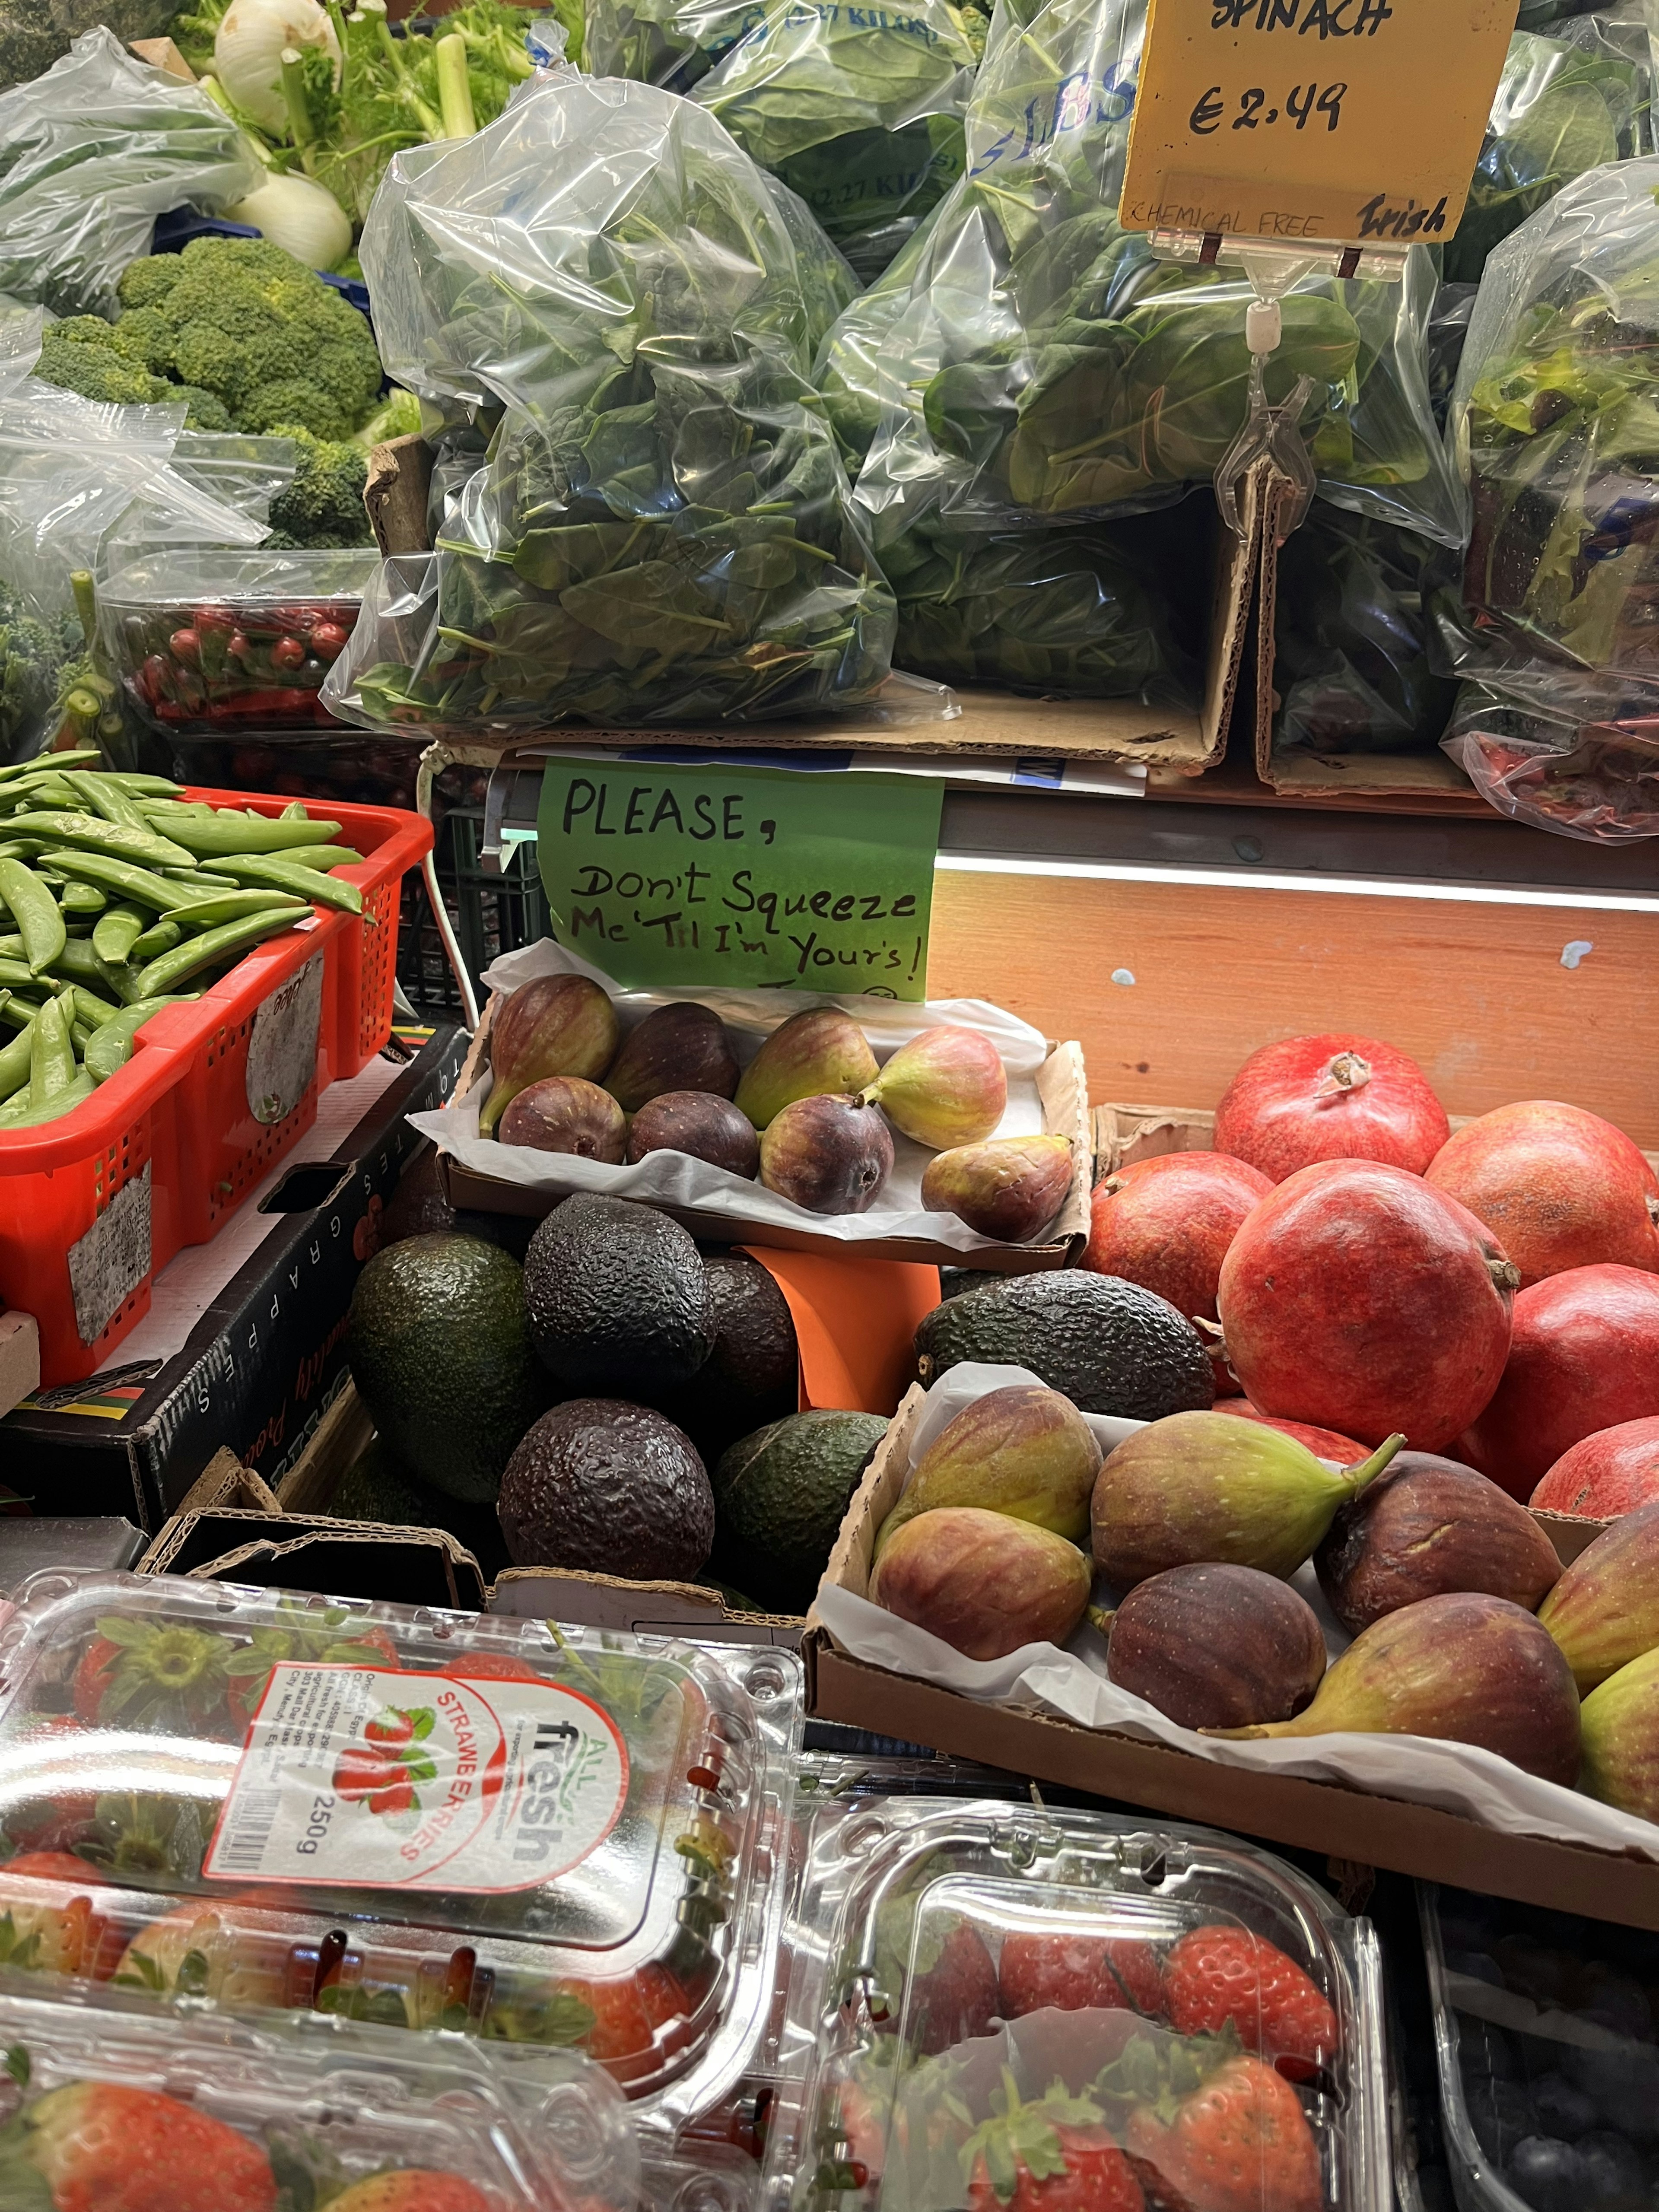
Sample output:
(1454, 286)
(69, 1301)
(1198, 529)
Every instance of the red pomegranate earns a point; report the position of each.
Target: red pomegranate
(1357, 1298)
(1329, 1098)
(1166, 1224)
(1563, 1188)
(1585, 1358)
(1613, 1472)
(1323, 1443)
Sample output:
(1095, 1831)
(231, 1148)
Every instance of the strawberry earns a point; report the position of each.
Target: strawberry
(952, 1980)
(490, 1666)
(1052, 2156)
(626, 2012)
(1073, 1972)
(1213, 2128)
(214, 1950)
(150, 1674)
(413, 2190)
(305, 1637)
(48, 1922)
(101, 2146)
(56, 1819)
(1220, 1974)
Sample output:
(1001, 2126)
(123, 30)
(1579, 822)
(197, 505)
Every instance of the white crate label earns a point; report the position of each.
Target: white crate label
(108, 1265)
(389, 1780)
(281, 1046)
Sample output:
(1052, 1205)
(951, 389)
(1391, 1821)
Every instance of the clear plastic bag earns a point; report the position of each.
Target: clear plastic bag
(90, 155)
(1555, 424)
(216, 490)
(1568, 100)
(1579, 755)
(672, 43)
(1047, 366)
(664, 532)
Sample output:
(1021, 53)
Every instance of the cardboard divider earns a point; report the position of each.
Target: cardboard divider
(333, 1559)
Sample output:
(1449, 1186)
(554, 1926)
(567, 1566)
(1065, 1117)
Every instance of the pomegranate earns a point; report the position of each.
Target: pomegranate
(1166, 1224)
(1615, 1470)
(1329, 1098)
(1357, 1298)
(1562, 1188)
(1585, 1358)
(1323, 1443)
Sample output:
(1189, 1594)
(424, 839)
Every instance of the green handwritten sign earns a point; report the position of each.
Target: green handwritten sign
(669, 875)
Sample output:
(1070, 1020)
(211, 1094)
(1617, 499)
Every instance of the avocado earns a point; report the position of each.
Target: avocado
(1109, 1345)
(438, 1342)
(375, 1488)
(617, 1298)
(779, 1498)
(420, 1205)
(752, 1374)
(610, 1489)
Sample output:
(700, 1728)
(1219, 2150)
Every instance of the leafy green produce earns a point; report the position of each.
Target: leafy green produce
(1566, 103)
(871, 189)
(672, 43)
(663, 530)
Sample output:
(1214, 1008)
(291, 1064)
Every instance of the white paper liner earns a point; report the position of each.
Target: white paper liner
(1451, 1776)
(677, 1179)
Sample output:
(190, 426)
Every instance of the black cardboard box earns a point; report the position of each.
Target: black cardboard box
(267, 1355)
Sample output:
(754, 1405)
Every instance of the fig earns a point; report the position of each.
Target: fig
(1216, 1647)
(830, 1154)
(1604, 1610)
(982, 1582)
(1429, 1526)
(1323, 1443)
(1358, 1299)
(819, 1051)
(1620, 1726)
(1557, 1187)
(946, 1088)
(564, 1113)
(1166, 1224)
(1613, 1472)
(1585, 1356)
(1009, 1187)
(683, 1047)
(1025, 1451)
(1463, 1669)
(1199, 1488)
(1329, 1098)
(698, 1122)
(554, 1026)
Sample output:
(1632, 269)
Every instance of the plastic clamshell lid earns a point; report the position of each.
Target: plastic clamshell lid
(995, 1998)
(537, 1837)
(323, 2110)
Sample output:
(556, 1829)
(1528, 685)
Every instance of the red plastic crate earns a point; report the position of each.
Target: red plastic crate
(92, 1207)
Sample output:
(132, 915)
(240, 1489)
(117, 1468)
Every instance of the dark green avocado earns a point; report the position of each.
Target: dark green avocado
(1109, 1345)
(752, 1374)
(617, 1298)
(608, 1488)
(779, 1497)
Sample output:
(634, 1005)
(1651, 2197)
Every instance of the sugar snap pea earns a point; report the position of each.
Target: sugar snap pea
(161, 937)
(203, 881)
(116, 930)
(18, 976)
(91, 834)
(124, 877)
(105, 797)
(16, 771)
(224, 836)
(78, 963)
(205, 951)
(288, 875)
(17, 1012)
(64, 1101)
(92, 1009)
(52, 1056)
(82, 899)
(112, 1045)
(15, 1064)
(36, 912)
(150, 787)
(231, 906)
(323, 857)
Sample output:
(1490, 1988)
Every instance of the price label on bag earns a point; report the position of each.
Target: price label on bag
(1356, 123)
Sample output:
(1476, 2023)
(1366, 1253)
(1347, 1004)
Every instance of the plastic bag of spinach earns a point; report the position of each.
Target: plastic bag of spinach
(662, 530)
(857, 109)
(1351, 662)
(1567, 103)
(1045, 365)
(1555, 419)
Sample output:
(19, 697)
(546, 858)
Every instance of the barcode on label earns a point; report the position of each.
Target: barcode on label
(243, 1849)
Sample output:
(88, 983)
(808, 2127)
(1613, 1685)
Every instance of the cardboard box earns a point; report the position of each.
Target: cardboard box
(264, 1359)
(1184, 740)
(1345, 1823)
(334, 1558)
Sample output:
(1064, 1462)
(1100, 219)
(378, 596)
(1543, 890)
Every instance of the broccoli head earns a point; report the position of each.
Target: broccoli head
(33, 655)
(85, 355)
(323, 505)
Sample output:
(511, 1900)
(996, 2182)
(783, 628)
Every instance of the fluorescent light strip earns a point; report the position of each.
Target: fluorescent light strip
(1135, 871)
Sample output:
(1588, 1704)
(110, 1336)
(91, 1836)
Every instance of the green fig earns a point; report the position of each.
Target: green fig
(817, 1051)
(1621, 1727)
(1008, 1188)
(982, 1581)
(1604, 1612)
(1462, 1667)
(946, 1088)
(1201, 1489)
(1025, 1451)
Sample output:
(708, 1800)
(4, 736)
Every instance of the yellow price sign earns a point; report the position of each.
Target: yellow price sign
(1352, 121)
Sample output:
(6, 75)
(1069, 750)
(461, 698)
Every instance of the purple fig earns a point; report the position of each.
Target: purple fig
(1217, 1647)
(830, 1155)
(819, 1051)
(684, 1047)
(564, 1113)
(1604, 1612)
(1024, 1451)
(1008, 1188)
(1463, 1669)
(1429, 1526)
(982, 1581)
(1621, 1727)
(555, 1025)
(694, 1121)
(945, 1088)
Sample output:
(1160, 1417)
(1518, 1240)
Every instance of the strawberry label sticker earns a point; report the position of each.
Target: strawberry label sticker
(376, 1777)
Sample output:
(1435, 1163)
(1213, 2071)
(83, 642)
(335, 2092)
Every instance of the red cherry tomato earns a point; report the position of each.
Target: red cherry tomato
(185, 645)
(288, 652)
